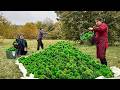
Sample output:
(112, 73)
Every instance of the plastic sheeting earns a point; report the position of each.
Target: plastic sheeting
(24, 71)
(114, 69)
(116, 72)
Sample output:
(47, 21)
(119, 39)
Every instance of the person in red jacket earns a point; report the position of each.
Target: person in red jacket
(101, 39)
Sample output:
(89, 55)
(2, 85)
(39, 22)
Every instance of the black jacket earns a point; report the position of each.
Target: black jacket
(21, 44)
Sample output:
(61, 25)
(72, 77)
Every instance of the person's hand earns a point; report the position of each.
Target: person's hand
(90, 28)
(95, 27)
(25, 49)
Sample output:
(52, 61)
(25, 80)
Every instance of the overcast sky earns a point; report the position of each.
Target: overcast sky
(21, 17)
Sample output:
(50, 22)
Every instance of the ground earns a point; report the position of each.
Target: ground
(9, 70)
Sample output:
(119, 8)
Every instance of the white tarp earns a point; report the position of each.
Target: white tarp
(114, 69)
(116, 72)
(24, 71)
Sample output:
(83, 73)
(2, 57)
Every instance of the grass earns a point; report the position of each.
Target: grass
(9, 70)
(112, 54)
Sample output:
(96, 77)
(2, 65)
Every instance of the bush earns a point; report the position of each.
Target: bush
(63, 61)
(116, 43)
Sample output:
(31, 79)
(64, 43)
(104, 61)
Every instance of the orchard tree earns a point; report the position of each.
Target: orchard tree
(77, 22)
(48, 24)
(56, 33)
(38, 24)
(5, 26)
(29, 30)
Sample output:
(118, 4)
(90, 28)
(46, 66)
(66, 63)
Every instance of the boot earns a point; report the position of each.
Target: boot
(103, 61)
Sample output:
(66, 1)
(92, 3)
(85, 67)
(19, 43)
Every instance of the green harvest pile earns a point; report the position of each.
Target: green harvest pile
(63, 61)
(86, 36)
(11, 49)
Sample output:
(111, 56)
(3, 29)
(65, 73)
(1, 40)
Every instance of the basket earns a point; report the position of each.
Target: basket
(11, 54)
(86, 38)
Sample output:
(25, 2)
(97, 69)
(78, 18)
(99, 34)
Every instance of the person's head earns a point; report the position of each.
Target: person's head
(41, 29)
(21, 36)
(98, 21)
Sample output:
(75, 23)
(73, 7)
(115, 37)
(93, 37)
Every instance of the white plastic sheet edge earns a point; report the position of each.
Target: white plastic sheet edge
(24, 71)
(116, 72)
(114, 69)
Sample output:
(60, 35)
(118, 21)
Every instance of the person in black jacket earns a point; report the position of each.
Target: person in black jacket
(21, 45)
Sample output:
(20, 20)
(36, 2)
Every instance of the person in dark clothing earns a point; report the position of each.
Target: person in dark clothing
(21, 45)
(39, 39)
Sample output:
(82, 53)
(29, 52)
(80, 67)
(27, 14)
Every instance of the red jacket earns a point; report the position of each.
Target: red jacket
(102, 34)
